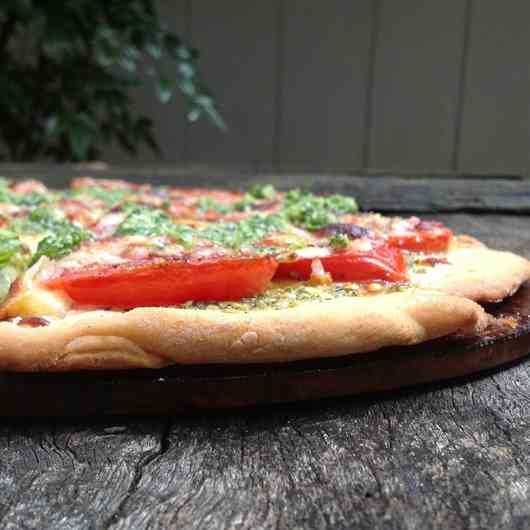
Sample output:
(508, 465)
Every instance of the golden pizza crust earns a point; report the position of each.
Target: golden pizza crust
(477, 272)
(155, 337)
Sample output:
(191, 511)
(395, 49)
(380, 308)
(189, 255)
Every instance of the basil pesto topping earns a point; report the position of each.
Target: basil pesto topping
(283, 297)
(111, 197)
(339, 241)
(60, 235)
(280, 296)
(300, 208)
(238, 233)
(152, 222)
(313, 212)
(245, 204)
(14, 258)
(145, 221)
(34, 198)
(35, 224)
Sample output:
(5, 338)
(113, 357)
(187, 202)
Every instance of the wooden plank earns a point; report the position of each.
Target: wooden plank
(416, 81)
(496, 112)
(323, 84)
(169, 118)
(238, 44)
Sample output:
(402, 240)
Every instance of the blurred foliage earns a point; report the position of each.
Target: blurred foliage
(67, 69)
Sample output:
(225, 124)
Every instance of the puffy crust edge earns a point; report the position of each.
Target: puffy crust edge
(477, 272)
(156, 337)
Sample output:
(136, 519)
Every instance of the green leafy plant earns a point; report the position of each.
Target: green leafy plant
(67, 69)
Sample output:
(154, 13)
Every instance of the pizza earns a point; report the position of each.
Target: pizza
(112, 275)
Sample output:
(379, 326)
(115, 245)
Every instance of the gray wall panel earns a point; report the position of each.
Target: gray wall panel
(496, 112)
(338, 86)
(325, 64)
(238, 40)
(416, 81)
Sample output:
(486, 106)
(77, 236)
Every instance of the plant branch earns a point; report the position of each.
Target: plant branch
(7, 31)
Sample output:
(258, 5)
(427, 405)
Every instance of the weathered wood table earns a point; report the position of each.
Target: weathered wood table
(441, 456)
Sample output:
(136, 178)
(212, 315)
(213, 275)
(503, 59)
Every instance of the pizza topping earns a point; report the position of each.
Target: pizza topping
(28, 298)
(31, 322)
(380, 262)
(110, 243)
(15, 256)
(430, 261)
(423, 237)
(318, 275)
(313, 212)
(163, 282)
(410, 234)
(110, 197)
(58, 235)
(141, 220)
(285, 295)
(348, 230)
(24, 193)
(339, 242)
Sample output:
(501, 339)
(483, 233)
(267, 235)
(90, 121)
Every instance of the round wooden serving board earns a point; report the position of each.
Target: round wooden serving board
(185, 388)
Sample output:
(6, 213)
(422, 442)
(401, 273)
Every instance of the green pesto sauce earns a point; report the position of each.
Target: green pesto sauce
(152, 222)
(142, 220)
(312, 212)
(245, 204)
(207, 204)
(61, 236)
(14, 258)
(12, 252)
(292, 295)
(239, 233)
(109, 197)
(35, 198)
(283, 297)
(299, 208)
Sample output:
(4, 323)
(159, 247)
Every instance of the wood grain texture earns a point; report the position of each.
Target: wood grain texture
(496, 111)
(324, 74)
(452, 456)
(238, 40)
(416, 82)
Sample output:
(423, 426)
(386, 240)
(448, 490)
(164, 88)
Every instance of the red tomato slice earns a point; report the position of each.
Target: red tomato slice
(168, 282)
(381, 263)
(435, 238)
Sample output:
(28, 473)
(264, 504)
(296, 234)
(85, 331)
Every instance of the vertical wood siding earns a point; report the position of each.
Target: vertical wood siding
(496, 109)
(337, 86)
(416, 80)
(238, 40)
(324, 71)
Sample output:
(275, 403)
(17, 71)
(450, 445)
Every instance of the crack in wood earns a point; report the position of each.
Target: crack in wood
(163, 445)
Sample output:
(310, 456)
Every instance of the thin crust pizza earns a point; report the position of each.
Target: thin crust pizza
(113, 275)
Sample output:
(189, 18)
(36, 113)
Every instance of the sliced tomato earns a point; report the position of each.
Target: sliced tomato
(381, 263)
(433, 238)
(166, 282)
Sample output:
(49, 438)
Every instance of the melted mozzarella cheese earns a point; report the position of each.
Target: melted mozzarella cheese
(29, 299)
(32, 241)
